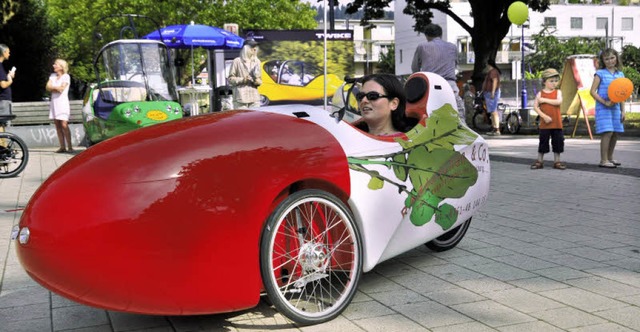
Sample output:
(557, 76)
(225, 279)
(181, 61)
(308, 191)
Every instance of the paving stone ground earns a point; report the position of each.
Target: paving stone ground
(550, 251)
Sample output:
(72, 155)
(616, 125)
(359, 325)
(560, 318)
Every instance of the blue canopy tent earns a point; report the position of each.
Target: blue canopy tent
(189, 36)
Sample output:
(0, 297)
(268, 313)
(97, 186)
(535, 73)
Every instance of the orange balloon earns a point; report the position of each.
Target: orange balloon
(620, 89)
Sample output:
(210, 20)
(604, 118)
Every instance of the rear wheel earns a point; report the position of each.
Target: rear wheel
(14, 155)
(482, 121)
(449, 239)
(311, 257)
(512, 123)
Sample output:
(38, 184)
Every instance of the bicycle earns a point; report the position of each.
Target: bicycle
(510, 120)
(14, 154)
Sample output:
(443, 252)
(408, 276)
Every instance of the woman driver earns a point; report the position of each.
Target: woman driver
(382, 102)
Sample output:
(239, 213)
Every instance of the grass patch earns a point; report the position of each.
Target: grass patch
(632, 120)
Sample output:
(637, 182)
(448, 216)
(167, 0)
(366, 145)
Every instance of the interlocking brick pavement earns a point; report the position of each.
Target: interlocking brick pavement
(551, 250)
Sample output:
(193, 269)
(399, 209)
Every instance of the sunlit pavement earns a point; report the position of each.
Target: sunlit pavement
(552, 250)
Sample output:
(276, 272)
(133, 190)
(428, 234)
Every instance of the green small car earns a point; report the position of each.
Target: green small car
(136, 88)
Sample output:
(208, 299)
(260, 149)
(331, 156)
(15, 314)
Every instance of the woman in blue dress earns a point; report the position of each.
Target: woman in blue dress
(609, 115)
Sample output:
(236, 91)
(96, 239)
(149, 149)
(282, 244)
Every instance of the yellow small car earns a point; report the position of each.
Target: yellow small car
(292, 80)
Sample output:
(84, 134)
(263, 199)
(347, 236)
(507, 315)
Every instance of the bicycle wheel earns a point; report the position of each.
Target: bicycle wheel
(450, 239)
(512, 123)
(311, 257)
(14, 155)
(481, 122)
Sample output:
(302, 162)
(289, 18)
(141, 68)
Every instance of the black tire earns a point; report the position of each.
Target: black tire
(512, 124)
(87, 142)
(264, 100)
(14, 155)
(449, 239)
(481, 122)
(311, 257)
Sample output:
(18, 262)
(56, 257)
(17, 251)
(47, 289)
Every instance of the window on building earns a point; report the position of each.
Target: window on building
(627, 24)
(384, 48)
(576, 23)
(602, 23)
(550, 21)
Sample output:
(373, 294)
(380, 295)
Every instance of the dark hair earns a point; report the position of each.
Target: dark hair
(433, 30)
(607, 52)
(393, 89)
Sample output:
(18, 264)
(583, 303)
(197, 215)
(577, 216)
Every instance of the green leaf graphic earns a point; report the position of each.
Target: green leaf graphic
(376, 182)
(443, 130)
(446, 173)
(400, 171)
(446, 216)
(423, 208)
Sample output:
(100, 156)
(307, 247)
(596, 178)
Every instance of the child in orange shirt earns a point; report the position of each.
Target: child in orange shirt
(547, 105)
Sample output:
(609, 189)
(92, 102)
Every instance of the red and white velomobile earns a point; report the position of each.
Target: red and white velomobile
(208, 213)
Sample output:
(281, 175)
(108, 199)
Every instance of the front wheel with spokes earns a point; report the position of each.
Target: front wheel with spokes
(512, 123)
(311, 257)
(14, 155)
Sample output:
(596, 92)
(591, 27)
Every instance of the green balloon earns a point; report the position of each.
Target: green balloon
(518, 12)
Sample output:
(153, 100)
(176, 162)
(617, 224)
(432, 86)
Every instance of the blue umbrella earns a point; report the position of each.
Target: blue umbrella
(196, 35)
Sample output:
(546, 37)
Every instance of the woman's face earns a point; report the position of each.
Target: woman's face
(375, 110)
(57, 67)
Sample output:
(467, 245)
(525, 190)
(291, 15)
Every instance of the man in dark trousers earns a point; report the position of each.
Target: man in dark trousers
(441, 57)
(6, 80)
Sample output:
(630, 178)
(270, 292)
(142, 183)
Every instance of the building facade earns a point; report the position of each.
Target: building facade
(619, 25)
(370, 42)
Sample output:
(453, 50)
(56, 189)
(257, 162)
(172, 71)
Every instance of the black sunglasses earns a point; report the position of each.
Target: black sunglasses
(371, 96)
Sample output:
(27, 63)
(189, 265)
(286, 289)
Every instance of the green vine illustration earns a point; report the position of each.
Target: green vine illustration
(429, 160)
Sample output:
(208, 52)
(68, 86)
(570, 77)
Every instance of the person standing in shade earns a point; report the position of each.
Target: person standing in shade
(6, 80)
(441, 57)
(59, 108)
(491, 93)
(609, 115)
(245, 76)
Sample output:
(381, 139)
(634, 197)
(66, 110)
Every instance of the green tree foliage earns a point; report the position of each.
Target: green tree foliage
(552, 52)
(387, 62)
(631, 56)
(9, 9)
(29, 40)
(341, 13)
(631, 61)
(74, 21)
(490, 21)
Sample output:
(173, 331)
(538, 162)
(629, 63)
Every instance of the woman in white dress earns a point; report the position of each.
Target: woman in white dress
(59, 109)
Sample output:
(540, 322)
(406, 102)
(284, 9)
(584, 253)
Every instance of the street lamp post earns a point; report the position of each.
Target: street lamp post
(524, 86)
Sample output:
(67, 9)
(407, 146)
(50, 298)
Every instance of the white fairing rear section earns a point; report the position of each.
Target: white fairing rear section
(406, 191)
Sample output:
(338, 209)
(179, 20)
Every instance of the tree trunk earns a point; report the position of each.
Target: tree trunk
(490, 26)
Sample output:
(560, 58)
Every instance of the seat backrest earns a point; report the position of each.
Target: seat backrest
(104, 104)
(417, 90)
